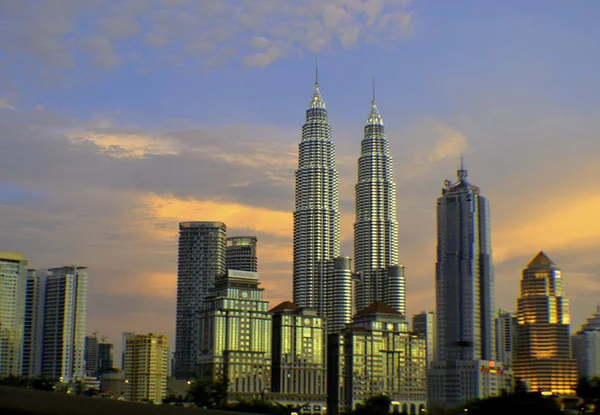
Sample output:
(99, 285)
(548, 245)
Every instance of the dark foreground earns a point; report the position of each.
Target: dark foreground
(22, 401)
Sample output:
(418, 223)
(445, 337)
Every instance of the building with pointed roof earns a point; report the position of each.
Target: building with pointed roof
(299, 365)
(543, 358)
(377, 354)
(380, 276)
(317, 222)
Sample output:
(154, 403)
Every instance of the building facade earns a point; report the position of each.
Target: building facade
(543, 358)
(316, 214)
(202, 257)
(424, 325)
(145, 374)
(299, 368)
(586, 347)
(124, 336)
(241, 253)
(464, 295)
(33, 327)
(376, 226)
(65, 317)
(236, 340)
(377, 354)
(506, 337)
(13, 286)
(91, 356)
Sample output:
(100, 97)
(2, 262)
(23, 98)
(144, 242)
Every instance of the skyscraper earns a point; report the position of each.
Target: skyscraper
(202, 252)
(586, 347)
(91, 355)
(464, 368)
(65, 316)
(236, 345)
(543, 359)
(506, 336)
(13, 277)
(146, 360)
(33, 327)
(241, 253)
(316, 215)
(376, 228)
(464, 275)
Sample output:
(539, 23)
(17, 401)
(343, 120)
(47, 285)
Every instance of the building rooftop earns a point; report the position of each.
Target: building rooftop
(286, 305)
(541, 260)
(378, 307)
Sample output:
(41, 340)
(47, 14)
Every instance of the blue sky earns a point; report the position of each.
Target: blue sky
(119, 119)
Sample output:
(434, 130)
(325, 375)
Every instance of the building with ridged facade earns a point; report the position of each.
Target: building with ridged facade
(317, 220)
(33, 327)
(506, 336)
(543, 358)
(236, 341)
(586, 347)
(424, 324)
(377, 354)
(202, 259)
(145, 368)
(379, 275)
(299, 370)
(241, 253)
(13, 281)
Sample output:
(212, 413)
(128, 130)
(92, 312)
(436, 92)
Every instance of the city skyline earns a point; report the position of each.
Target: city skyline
(102, 166)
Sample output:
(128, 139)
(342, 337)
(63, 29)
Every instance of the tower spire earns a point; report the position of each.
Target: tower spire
(461, 173)
(316, 70)
(374, 116)
(373, 88)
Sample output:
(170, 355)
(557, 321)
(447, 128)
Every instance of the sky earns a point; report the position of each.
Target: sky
(120, 119)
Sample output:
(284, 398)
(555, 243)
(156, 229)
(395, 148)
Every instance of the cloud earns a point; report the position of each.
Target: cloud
(256, 33)
(4, 104)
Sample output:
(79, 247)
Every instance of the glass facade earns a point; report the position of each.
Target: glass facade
(543, 356)
(236, 336)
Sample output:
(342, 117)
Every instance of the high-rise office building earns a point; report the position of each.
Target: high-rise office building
(380, 278)
(586, 347)
(299, 370)
(106, 357)
(506, 336)
(424, 325)
(241, 253)
(543, 358)
(33, 327)
(465, 346)
(145, 372)
(65, 314)
(236, 341)
(377, 354)
(13, 285)
(202, 253)
(124, 336)
(316, 214)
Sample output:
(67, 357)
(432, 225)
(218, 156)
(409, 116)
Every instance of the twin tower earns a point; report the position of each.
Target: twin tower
(323, 279)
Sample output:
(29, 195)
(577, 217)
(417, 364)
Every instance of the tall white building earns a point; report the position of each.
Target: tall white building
(506, 336)
(317, 216)
(65, 314)
(33, 327)
(380, 276)
(202, 256)
(464, 296)
(424, 324)
(13, 276)
(586, 347)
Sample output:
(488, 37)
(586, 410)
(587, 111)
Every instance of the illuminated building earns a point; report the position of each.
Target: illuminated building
(586, 347)
(377, 354)
(317, 219)
(236, 341)
(464, 299)
(424, 324)
(380, 277)
(145, 371)
(543, 358)
(65, 317)
(299, 370)
(241, 253)
(13, 285)
(506, 336)
(202, 253)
